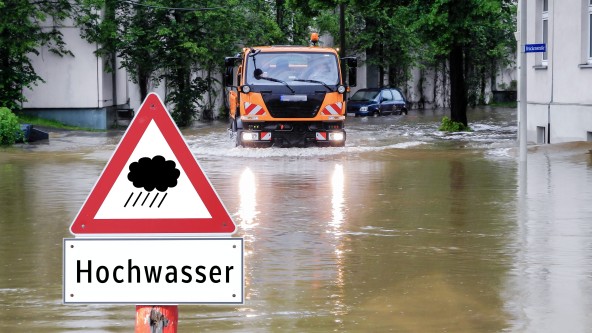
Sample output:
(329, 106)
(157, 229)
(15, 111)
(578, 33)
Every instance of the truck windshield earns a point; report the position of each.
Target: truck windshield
(293, 67)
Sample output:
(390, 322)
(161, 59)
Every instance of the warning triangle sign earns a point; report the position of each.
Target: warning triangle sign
(152, 185)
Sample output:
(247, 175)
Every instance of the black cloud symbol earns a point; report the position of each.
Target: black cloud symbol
(153, 173)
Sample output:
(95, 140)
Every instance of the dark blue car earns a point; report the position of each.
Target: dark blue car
(376, 102)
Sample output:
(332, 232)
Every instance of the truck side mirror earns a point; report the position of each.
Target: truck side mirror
(258, 73)
(229, 63)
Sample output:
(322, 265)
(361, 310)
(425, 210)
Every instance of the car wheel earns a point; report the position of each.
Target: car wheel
(375, 114)
(404, 111)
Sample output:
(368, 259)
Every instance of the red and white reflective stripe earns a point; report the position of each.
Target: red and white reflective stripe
(332, 109)
(253, 109)
(321, 136)
(265, 136)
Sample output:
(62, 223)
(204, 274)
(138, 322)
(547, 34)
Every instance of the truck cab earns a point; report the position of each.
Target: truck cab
(288, 96)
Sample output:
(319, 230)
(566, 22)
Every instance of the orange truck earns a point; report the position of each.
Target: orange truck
(288, 96)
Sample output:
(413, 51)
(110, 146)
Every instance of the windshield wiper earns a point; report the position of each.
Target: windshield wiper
(276, 80)
(316, 81)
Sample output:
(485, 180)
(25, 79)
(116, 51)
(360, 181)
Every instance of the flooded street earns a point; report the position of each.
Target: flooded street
(406, 229)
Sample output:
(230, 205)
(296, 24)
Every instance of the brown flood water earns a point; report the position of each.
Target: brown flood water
(403, 230)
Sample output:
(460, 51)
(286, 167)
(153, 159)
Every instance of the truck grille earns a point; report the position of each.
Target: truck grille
(293, 109)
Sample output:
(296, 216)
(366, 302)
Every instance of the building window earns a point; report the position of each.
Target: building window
(545, 28)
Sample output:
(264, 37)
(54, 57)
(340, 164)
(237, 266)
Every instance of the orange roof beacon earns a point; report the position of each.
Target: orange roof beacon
(288, 96)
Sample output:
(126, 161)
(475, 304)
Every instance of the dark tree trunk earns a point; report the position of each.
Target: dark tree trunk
(458, 91)
(183, 102)
(279, 13)
(143, 83)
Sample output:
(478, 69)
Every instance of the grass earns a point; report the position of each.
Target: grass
(448, 125)
(36, 121)
(512, 104)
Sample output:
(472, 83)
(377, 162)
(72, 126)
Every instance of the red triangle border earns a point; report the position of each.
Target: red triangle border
(152, 109)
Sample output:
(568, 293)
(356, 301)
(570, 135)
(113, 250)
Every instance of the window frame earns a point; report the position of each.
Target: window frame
(545, 30)
(384, 97)
(396, 94)
(589, 16)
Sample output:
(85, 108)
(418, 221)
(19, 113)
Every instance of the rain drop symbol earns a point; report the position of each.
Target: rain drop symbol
(150, 174)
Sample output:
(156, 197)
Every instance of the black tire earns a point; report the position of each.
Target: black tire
(237, 139)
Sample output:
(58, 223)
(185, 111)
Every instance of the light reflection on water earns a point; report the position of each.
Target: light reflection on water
(405, 229)
(553, 266)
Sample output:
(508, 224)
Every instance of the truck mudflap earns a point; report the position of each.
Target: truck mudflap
(323, 138)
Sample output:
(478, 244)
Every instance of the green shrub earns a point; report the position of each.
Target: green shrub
(452, 126)
(10, 130)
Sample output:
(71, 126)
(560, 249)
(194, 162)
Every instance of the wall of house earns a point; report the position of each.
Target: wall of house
(77, 90)
(558, 91)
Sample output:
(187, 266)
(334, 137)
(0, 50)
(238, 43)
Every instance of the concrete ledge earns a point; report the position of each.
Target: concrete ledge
(95, 118)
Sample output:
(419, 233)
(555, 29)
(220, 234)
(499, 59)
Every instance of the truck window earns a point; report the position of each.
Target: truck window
(290, 66)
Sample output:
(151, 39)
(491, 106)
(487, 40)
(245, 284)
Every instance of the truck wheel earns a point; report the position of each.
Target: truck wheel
(231, 128)
(237, 139)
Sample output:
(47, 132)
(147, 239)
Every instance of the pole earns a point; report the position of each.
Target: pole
(522, 91)
(342, 36)
(156, 319)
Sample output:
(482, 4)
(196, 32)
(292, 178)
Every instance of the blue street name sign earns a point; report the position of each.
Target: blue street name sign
(530, 48)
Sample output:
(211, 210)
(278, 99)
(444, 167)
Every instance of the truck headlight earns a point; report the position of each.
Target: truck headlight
(336, 136)
(250, 136)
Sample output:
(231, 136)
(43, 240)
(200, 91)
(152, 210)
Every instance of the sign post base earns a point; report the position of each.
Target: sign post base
(156, 319)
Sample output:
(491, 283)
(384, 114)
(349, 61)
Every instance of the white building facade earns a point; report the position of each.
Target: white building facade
(78, 90)
(559, 81)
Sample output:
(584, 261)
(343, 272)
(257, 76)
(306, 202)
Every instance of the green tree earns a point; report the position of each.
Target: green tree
(387, 38)
(10, 131)
(181, 42)
(469, 33)
(25, 26)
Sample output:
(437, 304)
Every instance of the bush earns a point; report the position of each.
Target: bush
(452, 126)
(10, 130)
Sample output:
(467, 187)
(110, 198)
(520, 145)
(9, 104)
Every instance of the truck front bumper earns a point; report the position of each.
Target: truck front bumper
(255, 138)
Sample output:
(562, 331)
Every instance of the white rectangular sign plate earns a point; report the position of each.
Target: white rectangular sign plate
(153, 271)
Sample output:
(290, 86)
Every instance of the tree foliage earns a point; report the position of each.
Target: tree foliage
(25, 26)
(184, 42)
(10, 130)
(180, 42)
(474, 37)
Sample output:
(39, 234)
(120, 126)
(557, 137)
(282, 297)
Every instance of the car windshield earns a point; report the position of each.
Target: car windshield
(293, 67)
(365, 95)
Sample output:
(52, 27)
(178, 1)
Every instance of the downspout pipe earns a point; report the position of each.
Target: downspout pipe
(551, 101)
(114, 78)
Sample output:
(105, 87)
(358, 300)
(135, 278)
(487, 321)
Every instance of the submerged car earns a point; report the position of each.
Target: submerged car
(377, 102)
